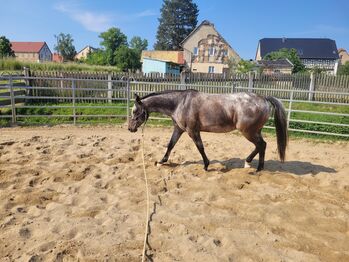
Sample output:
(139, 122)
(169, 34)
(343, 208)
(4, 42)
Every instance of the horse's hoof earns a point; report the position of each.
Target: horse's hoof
(158, 163)
(247, 165)
(259, 169)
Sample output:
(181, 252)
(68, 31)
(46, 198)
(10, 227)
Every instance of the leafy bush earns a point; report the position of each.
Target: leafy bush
(11, 64)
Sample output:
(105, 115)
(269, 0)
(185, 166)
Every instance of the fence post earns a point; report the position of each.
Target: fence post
(12, 98)
(61, 76)
(183, 76)
(289, 110)
(27, 81)
(233, 88)
(311, 87)
(73, 95)
(110, 89)
(128, 100)
(250, 81)
(26, 75)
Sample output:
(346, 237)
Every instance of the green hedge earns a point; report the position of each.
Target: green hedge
(14, 65)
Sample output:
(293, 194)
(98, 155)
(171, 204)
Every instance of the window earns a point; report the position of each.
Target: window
(211, 51)
(196, 51)
(211, 69)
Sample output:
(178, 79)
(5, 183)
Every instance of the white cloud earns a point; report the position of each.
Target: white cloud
(98, 22)
(95, 22)
(146, 13)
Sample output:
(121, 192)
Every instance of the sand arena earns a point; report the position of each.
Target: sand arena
(72, 193)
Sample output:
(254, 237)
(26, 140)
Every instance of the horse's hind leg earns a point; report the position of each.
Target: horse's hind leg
(257, 140)
(177, 132)
(195, 135)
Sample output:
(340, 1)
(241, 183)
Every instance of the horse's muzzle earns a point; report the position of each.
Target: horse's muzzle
(132, 130)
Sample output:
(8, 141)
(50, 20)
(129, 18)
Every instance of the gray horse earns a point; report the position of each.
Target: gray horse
(193, 112)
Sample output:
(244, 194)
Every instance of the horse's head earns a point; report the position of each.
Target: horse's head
(139, 115)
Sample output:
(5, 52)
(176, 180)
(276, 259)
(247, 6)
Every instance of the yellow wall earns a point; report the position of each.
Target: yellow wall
(203, 67)
(30, 57)
(83, 53)
(162, 55)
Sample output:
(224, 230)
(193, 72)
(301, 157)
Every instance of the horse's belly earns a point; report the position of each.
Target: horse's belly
(218, 127)
(217, 121)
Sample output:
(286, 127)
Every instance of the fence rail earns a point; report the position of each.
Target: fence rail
(75, 99)
(305, 81)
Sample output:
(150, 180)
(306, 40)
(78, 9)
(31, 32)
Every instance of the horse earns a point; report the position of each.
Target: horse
(194, 112)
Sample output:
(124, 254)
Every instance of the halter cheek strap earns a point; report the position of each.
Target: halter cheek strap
(146, 119)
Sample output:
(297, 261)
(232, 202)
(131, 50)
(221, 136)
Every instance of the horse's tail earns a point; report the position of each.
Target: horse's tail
(280, 125)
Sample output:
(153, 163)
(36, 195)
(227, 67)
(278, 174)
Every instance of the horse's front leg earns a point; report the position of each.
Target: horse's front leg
(195, 135)
(177, 132)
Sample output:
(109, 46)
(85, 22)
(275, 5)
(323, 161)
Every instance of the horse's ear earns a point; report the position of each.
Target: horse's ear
(138, 99)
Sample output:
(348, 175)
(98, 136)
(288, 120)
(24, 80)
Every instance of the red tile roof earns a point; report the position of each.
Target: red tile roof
(27, 47)
(57, 58)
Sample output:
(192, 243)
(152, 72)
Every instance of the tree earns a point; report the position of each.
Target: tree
(127, 58)
(290, 54)
(138, 44)
(5, 47)
(240, 66)
(178, 19)
(111, 41)
(245, 66)
(344, 69)
(98, 57)
(65, 47)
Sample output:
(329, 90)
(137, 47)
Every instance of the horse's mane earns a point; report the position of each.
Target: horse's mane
(167, 92)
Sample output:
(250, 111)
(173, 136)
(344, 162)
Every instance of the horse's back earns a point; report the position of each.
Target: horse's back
(226, 112)
(252, 111)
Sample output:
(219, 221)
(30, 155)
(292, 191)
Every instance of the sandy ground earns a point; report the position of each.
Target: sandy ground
(70, 193)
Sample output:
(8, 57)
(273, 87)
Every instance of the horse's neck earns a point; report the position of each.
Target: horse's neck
(164, 104)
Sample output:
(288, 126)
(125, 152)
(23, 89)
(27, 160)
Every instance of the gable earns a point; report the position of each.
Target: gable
(201, 34)
(86, 49)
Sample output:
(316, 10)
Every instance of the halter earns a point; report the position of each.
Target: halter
(146, 119)
(140, 115)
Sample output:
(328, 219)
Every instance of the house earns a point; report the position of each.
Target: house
(162, 61)
(82, 54)
(314, 52)
(151, 65)
(173, 56)
(343, 55)
(57, 58)
(206, 51)
(280, 66)
(32, 51)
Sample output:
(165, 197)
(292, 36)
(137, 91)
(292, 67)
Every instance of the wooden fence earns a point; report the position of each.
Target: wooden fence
(68, 99)
(217, 83)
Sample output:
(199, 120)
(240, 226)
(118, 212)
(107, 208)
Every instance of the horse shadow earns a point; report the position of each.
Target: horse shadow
(299, 168)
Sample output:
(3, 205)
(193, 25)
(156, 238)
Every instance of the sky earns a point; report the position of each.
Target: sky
(241, 22)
